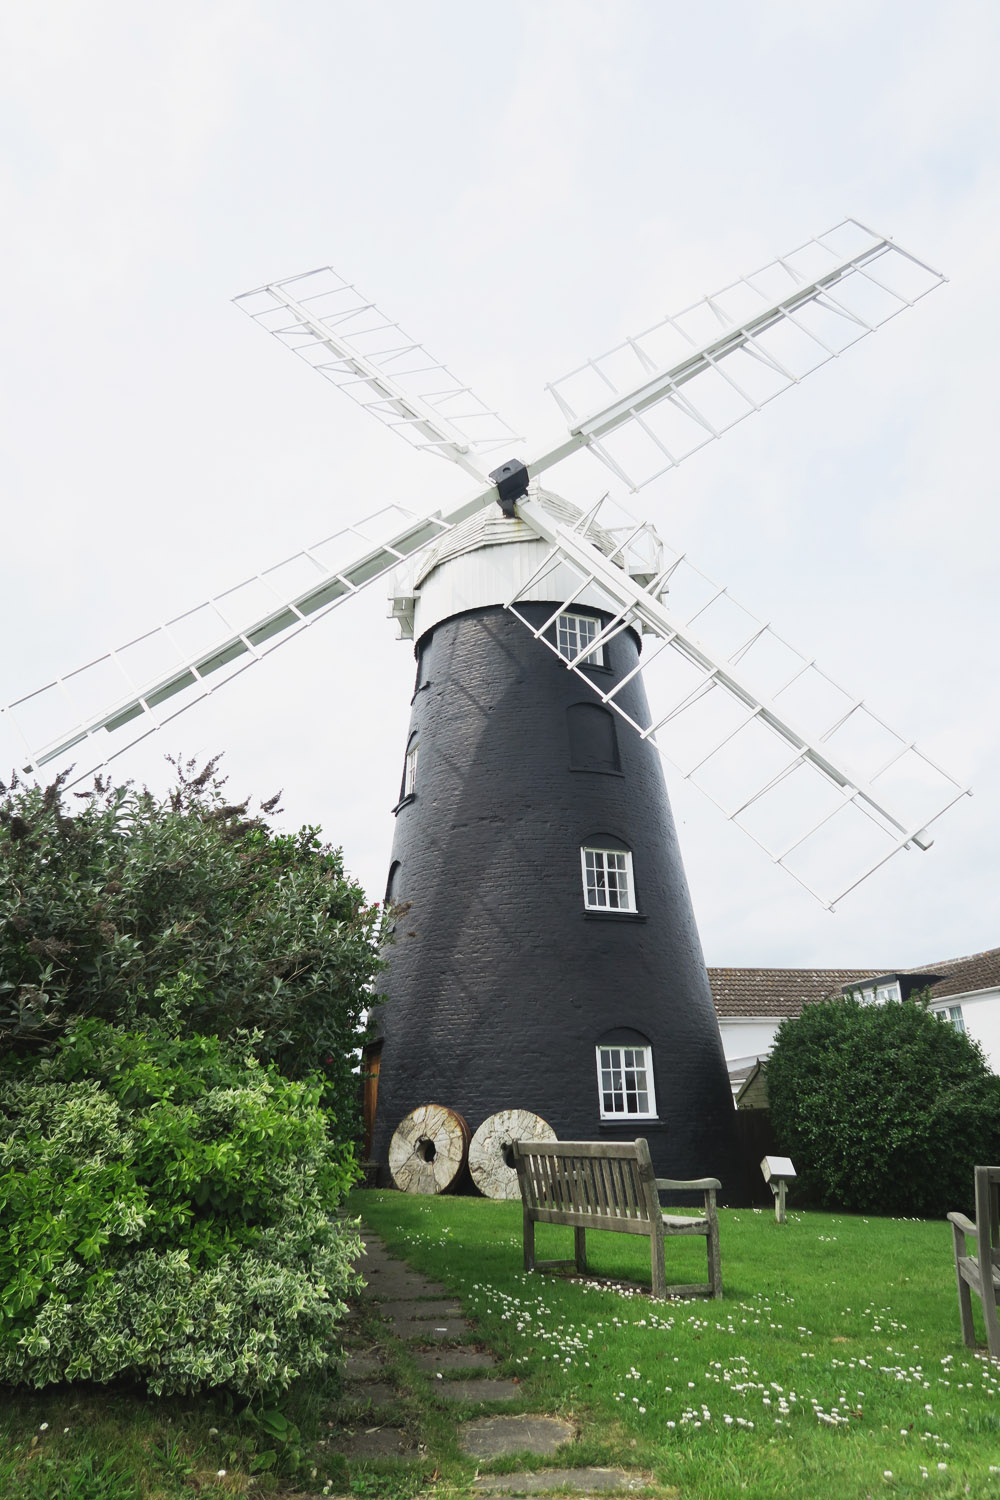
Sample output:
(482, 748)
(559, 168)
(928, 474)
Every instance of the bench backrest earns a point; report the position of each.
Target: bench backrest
(987, 1181)
(589, 1184)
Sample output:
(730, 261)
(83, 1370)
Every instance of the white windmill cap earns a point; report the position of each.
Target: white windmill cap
(485, 560)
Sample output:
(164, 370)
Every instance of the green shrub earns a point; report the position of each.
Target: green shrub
(168, 1213)
(105, 902)
(883, 1108)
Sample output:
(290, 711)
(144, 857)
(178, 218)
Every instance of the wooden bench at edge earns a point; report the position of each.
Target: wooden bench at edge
(610, 1185)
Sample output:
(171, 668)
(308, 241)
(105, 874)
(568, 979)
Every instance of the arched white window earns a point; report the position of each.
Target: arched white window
(410, 772)
(607, 878)
(625, 1077)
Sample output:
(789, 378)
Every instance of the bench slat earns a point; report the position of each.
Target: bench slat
(578, 1220)
(680, 1224)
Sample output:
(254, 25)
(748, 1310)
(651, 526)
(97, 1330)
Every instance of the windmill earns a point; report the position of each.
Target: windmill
(546, 955)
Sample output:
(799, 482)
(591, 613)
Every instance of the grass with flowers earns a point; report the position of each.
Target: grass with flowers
(831, 1369)
(832, 1366)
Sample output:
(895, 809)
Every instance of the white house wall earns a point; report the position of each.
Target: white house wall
(981, 1014)
(745, 1038)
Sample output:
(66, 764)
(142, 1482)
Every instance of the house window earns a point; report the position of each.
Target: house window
(574, 633)
(607, 879)
(410, 773)
(625, 1081)
(953, 1015)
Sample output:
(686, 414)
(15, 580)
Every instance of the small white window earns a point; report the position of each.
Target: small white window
(410, 775)
(953, 1015)
(574, 634)
(607, 880)
(625, 1080)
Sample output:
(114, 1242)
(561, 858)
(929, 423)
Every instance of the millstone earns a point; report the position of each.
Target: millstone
(490, 1160)
(428, 1151)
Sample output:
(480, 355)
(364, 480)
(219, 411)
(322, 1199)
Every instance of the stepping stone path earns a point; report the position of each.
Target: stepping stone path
(579, 1482)
(495, 1437)
(420, 1309)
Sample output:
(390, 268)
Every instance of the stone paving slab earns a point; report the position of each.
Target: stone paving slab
(357, 1366)
(483, 1389)
(497, 1437)
(412, 1308)
(376, 1442)
(432, 1330)
(389, 1284)
(454, 1359)
(579, 1482)
(372, 1393)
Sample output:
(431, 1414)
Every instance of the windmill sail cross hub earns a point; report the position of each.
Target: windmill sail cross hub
(653, 400)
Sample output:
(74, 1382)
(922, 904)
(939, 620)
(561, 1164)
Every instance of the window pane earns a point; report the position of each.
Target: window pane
(607, 879)
(624, 1081)
(574, 634)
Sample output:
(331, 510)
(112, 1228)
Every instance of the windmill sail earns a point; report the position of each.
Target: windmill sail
(655, 399)
(328, 323)
(810, 772)
(142, 685)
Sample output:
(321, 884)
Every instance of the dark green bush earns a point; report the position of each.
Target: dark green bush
(883, 1108)
(104, 903)
(168, 1213)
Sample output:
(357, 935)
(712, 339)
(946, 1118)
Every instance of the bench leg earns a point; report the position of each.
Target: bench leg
(580, 1249)
(658, 1263)
(989, 1300)
(964, 1294)
(529, 1242)
(714, 1259)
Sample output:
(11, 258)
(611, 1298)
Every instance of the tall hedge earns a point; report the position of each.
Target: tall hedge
(108, 896)
(883, 1108)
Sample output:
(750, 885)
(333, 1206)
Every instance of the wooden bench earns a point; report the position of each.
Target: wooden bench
(980, 1273)
(610, 1185)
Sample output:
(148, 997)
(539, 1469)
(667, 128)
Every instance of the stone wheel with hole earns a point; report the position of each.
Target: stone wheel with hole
(429, 1149)
(491, 1154)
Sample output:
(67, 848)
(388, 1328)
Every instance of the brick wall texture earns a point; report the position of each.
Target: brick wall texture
(500, 984)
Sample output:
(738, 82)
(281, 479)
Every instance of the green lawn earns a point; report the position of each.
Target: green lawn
(833, 1367)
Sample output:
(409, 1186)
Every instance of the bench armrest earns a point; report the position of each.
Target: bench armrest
(697, 1185)
(964, 1224)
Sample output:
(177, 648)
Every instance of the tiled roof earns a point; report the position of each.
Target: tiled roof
(980, 971)
(778, 992)
(783, 992)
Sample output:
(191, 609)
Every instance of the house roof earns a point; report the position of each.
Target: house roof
(778, 992)
(783, 992)
(979, 971)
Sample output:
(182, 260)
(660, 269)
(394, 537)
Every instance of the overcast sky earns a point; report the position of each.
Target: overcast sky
(521, 185)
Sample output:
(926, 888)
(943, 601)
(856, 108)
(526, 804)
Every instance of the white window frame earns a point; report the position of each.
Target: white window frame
(410, 771)
(607, 872)
(952, 1015)
(623, 1062)
(573, 635)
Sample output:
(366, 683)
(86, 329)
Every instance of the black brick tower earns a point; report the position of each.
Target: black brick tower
(502, 985)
